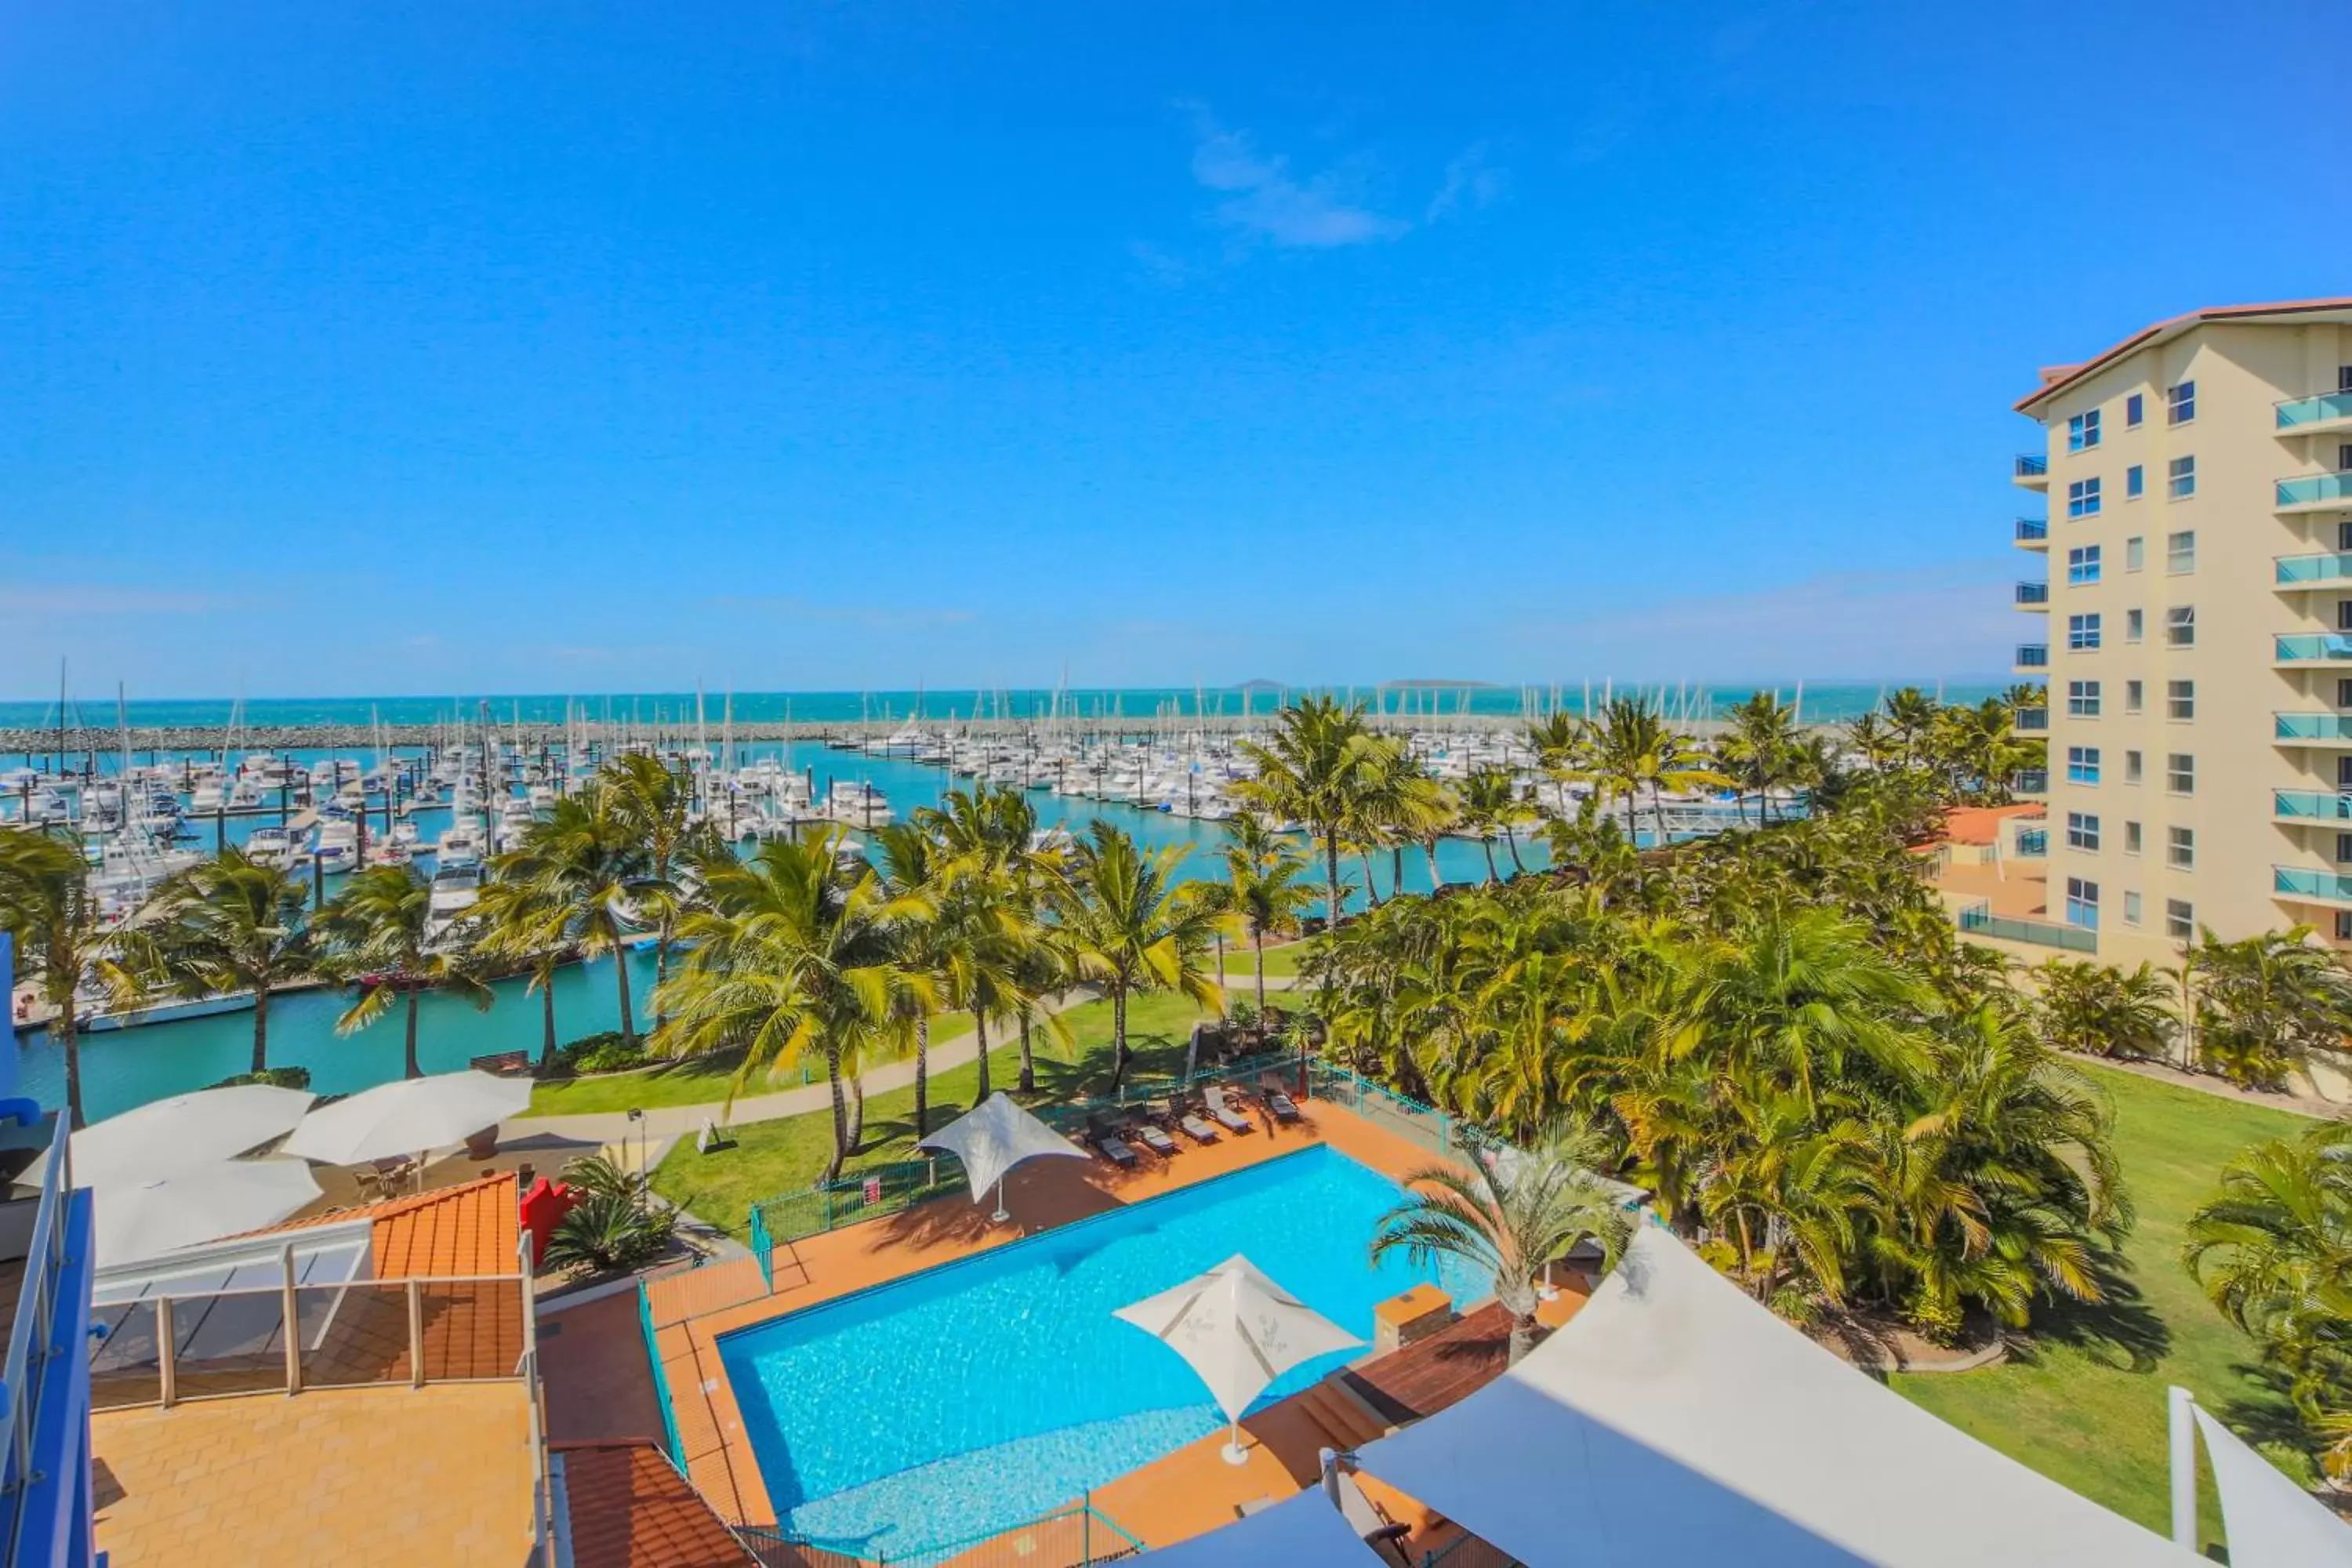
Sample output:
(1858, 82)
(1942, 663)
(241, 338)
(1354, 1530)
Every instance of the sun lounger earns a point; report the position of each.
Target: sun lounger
(1152, 1136)
(1226, 1116)
(1285, 1109)
(1198, 1130)
(1116, 1152)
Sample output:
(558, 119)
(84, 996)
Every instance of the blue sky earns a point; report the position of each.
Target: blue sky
(580, 348)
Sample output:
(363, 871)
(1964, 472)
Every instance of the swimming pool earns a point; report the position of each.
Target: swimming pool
(975, 1396)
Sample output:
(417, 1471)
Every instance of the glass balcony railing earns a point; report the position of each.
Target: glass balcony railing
(2295, 569)
(2315, 489)
(2299, 883)
(2032, 842)
(2036, 655)
(2030, 781)
(2310, 726)
(2030, 528)
(1980, 920)
(2298, 412)
(2032, 720)
(2031, 466)
(2033, 592)
(2314, 647)
(2311, 805)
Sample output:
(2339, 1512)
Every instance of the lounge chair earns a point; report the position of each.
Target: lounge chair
(1198, 1130)
(1118, 1152)
(1285, 1109)
(1367, 1521)
(1226, 1116)
(1152, 1136)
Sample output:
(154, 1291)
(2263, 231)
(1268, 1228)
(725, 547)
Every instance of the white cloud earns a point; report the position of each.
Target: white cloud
(1265, 201)
(1472, 181)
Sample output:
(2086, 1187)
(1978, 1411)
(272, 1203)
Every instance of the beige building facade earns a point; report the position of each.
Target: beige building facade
(2193, 619)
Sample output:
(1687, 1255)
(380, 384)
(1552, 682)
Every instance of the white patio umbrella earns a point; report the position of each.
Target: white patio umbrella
(198, 1204)
(167, 1135)
(1240, 1331)
(396, 1119)
(992, 1138)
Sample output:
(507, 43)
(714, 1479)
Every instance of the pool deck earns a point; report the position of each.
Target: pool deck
(1174, 1497)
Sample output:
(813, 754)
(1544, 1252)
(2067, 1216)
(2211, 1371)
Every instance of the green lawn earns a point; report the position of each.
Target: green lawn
(1283, 960)
(788, 1154)
(2086, 1405)
(697, 1081)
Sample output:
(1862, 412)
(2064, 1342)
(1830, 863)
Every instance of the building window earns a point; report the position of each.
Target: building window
(2343, 847)
(2181, 478)
(2082, 632)
(2135, 483)
(2083, 564)
(2180, 625)
(2082, 431)
(2181, 551)
(2180, 402)
(2344, 536)
(2134, 553)
(2083, 764)
(2135, 410)
(2344, 925)
(2135, 624)
(2134, 691)
(2344, 378)
(2181, 848)
(2081, 699)
(2082, 830)
(2131, 909)
(2082, 903)
(2181, 772)
(2343, 693)
(2179, 920)
(2343, 775)
(2131, 838)
(2083, 499)
(2131, 767)
(2180, 699)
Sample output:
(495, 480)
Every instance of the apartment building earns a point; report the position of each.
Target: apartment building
(2194, 623)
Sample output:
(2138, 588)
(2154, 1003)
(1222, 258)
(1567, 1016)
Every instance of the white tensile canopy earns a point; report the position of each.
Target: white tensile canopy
(202, 1203)
(1300, 1532)
(1240, 1331)
(173, 1134)
(1675, 1420)
(2271, 1521)
(994, 1137)
(395, 1120)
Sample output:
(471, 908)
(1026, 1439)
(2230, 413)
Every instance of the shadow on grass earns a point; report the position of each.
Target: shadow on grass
(2121, 1332)
(2269, 1417)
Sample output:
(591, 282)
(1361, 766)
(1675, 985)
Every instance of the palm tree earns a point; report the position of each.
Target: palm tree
(379, 931)
(1635, 749)
(231, 923)
(654, 810)
(62, 937)
(1911, 715)
(1871, 736)
(913, 872)
(1263, 885)
(2093, 1009)
(2274, 1250)
(1126, 924)
(1512, 1216)
(795, 955)
(1563, 747)
(525, 922)
(1322, 758)
(1001, 961)
(584, 867)
(1759, 749)
(1491, 804)
(2265, 1003)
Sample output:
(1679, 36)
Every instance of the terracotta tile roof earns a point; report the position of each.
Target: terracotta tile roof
(631, 1508)
(471, 1228)
(1981, 824)
(2055, 376)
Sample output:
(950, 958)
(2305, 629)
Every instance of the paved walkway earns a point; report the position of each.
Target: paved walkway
(2222, 1088)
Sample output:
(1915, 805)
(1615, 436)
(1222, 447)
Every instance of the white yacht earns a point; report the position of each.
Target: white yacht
(460, 847)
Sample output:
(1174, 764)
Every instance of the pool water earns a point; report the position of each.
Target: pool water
(972, 1397)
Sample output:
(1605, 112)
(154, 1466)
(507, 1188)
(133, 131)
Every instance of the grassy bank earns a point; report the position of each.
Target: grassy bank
(2084, 1402)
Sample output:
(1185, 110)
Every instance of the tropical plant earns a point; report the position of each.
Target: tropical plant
(1263, 885)
(653, 809)
(1635, 749)
(615, 1227)
(1125, 923)
(1759, 751)
(2264, 1004)
(230, 923)
(63, 938)
(1491, 805)
(2093, 1009)
(580, 881)
(526, 921)
(1511, 1216)
(379, 932)
(1315, 770)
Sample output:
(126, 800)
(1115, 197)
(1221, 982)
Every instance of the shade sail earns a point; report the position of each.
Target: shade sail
(992, 1138)
(2271, 1521)
(1675, 1420)
(1301, 1531)
(408, 1117)
(204, 1203)
(1239, 1329)
(178, 1134)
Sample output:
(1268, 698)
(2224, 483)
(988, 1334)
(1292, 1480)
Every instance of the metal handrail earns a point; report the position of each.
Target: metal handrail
(34, 1334)
(2029, 465)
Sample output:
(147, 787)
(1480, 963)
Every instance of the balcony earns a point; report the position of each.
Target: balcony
(2032, 843)
(2310, 805)
(2317, 887)
(2033, 533)
(2034, 656)
(2029, 784)
(2033, 720)
(2314, 492)
(2032, 596)
(2313, 729)
(2032, 471)
(2312, 648)
(2328, 413)
(1980, 920)
(2291, 572)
